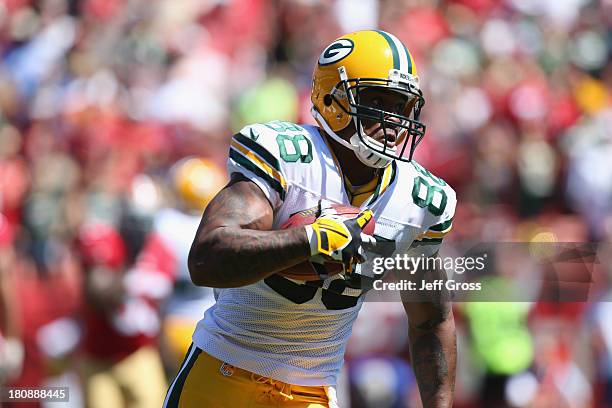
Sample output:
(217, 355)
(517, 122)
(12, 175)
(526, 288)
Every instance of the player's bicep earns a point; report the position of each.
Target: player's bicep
(240, 204)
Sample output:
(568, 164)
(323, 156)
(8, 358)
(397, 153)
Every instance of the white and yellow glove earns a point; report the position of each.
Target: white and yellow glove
(338, 238)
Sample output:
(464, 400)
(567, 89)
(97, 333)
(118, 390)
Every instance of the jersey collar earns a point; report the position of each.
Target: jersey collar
(384, 181)
(387, 178)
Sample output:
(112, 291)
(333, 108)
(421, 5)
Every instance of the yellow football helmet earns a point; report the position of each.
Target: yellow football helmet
(352, 63)
(196, 181)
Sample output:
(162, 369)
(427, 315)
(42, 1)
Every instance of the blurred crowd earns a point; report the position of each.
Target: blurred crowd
(115, 120)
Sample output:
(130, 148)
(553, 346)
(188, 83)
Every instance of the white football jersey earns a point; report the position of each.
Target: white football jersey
(296, 331)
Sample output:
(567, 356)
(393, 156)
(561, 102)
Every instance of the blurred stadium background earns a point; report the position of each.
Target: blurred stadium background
(101, 101)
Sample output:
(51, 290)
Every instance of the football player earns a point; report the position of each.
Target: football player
(274, 341)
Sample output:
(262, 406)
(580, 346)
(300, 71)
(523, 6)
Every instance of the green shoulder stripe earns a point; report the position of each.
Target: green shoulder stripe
(249, 165)
(260, 150)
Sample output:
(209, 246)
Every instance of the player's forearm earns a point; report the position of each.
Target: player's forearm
(234, 257)
(433, 347)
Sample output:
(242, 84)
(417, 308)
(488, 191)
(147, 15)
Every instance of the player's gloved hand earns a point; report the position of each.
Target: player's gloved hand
(338, 238)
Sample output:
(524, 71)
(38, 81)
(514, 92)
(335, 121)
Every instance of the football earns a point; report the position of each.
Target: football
(318, 268)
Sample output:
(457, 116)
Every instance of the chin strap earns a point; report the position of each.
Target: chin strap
(368, 156)
(365, 155)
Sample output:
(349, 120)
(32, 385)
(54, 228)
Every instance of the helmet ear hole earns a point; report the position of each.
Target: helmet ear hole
(327, 100)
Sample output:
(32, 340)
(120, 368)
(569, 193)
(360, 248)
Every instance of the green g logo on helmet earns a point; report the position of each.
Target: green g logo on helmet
(336, 51)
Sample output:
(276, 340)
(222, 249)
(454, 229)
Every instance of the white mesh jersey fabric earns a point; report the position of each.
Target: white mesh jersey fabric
(259, 327)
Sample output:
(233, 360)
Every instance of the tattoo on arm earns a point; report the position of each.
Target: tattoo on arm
(430, 367)
(244, 257)
(432, 341)
(234, 245)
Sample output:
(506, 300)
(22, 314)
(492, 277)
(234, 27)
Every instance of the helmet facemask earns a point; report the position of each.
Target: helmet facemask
(405, 126)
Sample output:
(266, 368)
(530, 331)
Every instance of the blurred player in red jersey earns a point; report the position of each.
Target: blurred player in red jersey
(121, 363)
